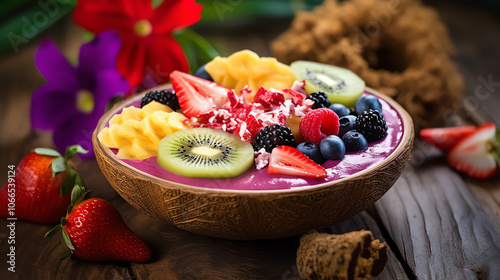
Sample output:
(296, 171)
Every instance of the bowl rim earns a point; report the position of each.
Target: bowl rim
(407, 138)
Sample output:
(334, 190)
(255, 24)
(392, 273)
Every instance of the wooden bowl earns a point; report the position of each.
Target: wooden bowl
(247, 214)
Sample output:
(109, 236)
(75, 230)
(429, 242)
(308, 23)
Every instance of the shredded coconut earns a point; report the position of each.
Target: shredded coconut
(261, 159)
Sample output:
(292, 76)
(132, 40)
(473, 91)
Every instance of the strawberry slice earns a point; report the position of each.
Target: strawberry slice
(287, 160)
(478, 154)
(197, 95)
(445, 138)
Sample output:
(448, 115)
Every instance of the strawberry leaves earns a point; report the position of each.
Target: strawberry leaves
(47, 152)
(73, 183)
(78, 194)
(73, 150)
(67, 240)
(60, 165)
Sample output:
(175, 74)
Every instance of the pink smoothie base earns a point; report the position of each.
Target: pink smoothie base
(254, 179)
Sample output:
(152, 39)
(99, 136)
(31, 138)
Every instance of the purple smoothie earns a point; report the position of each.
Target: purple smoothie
(259, 179)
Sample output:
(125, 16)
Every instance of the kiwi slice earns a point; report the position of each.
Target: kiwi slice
(340, 85)
(205, 153)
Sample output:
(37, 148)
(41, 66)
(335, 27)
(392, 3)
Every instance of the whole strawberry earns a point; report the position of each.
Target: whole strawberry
(93, 230)
(39, 190)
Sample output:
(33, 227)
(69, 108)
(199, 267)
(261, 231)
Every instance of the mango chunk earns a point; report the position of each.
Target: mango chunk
(246, 68)
(154, 106)
(136, 132)
(105, 138)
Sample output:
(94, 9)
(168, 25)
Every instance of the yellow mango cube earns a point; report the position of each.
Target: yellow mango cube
(132, 113)
(176, 122)
(136, 132)
(116, 119)
(105, 138)
(130, 129)
(154, 106)
(246, 68)
(115, 136)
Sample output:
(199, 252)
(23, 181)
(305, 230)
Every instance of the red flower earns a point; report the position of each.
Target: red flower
(146, 33)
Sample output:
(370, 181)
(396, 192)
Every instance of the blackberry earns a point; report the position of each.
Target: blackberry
(372, 125)
(162, 96)
(273, 136)
(320, 100)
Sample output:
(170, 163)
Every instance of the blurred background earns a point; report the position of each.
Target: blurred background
(228, 26)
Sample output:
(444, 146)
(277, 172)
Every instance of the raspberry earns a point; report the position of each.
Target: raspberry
(320, 100)
(273, 136)
(162, 96)
(318, 124)
(372, 125)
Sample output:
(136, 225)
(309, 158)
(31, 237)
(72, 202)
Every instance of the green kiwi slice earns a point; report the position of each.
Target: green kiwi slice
(340, 85)
(205, 153)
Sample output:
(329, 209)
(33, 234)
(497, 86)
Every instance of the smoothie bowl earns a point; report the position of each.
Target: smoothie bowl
(257, 204)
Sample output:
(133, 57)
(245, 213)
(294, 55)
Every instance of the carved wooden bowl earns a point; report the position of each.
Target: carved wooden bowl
(247, 214)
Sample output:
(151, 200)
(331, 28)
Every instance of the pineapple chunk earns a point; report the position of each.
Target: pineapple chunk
(130, 129)
(136, 132)
(132, 113)
(246, 68)
(154, 106)
(154, 126)
(105, 138)
(113, 133)
(116, 119)
(176, 122)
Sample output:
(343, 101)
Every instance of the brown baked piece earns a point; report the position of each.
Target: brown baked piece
(354, 255)
(399, 47)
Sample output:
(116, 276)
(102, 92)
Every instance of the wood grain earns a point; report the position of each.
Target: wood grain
(393, 268)
(441, 230)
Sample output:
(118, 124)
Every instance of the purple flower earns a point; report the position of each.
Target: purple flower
(74, 97)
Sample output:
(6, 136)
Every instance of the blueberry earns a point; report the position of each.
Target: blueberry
(202, 73)
(332, 147)
(346, 123)
(354, 141)
(340, 110)
(312, 151)
(367, 102)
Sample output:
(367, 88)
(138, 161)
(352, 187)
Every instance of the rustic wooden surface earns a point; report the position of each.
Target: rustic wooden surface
(439, 224)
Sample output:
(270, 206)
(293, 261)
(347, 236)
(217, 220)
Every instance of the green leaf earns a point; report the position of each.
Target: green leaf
(206, 50)
(76, 194)
(47, 152)
(73, 150)
(157, 3)
(67, 240)
(53, 231)
(197, 49)
(15, 26)
(80, 181)
(66, 255)
(68, 183)
(70, 207)
(189, 52)
(63, 221)
(10, 7)
(58, 166)
(113, 101)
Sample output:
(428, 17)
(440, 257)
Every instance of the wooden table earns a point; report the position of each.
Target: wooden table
(439, 224)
